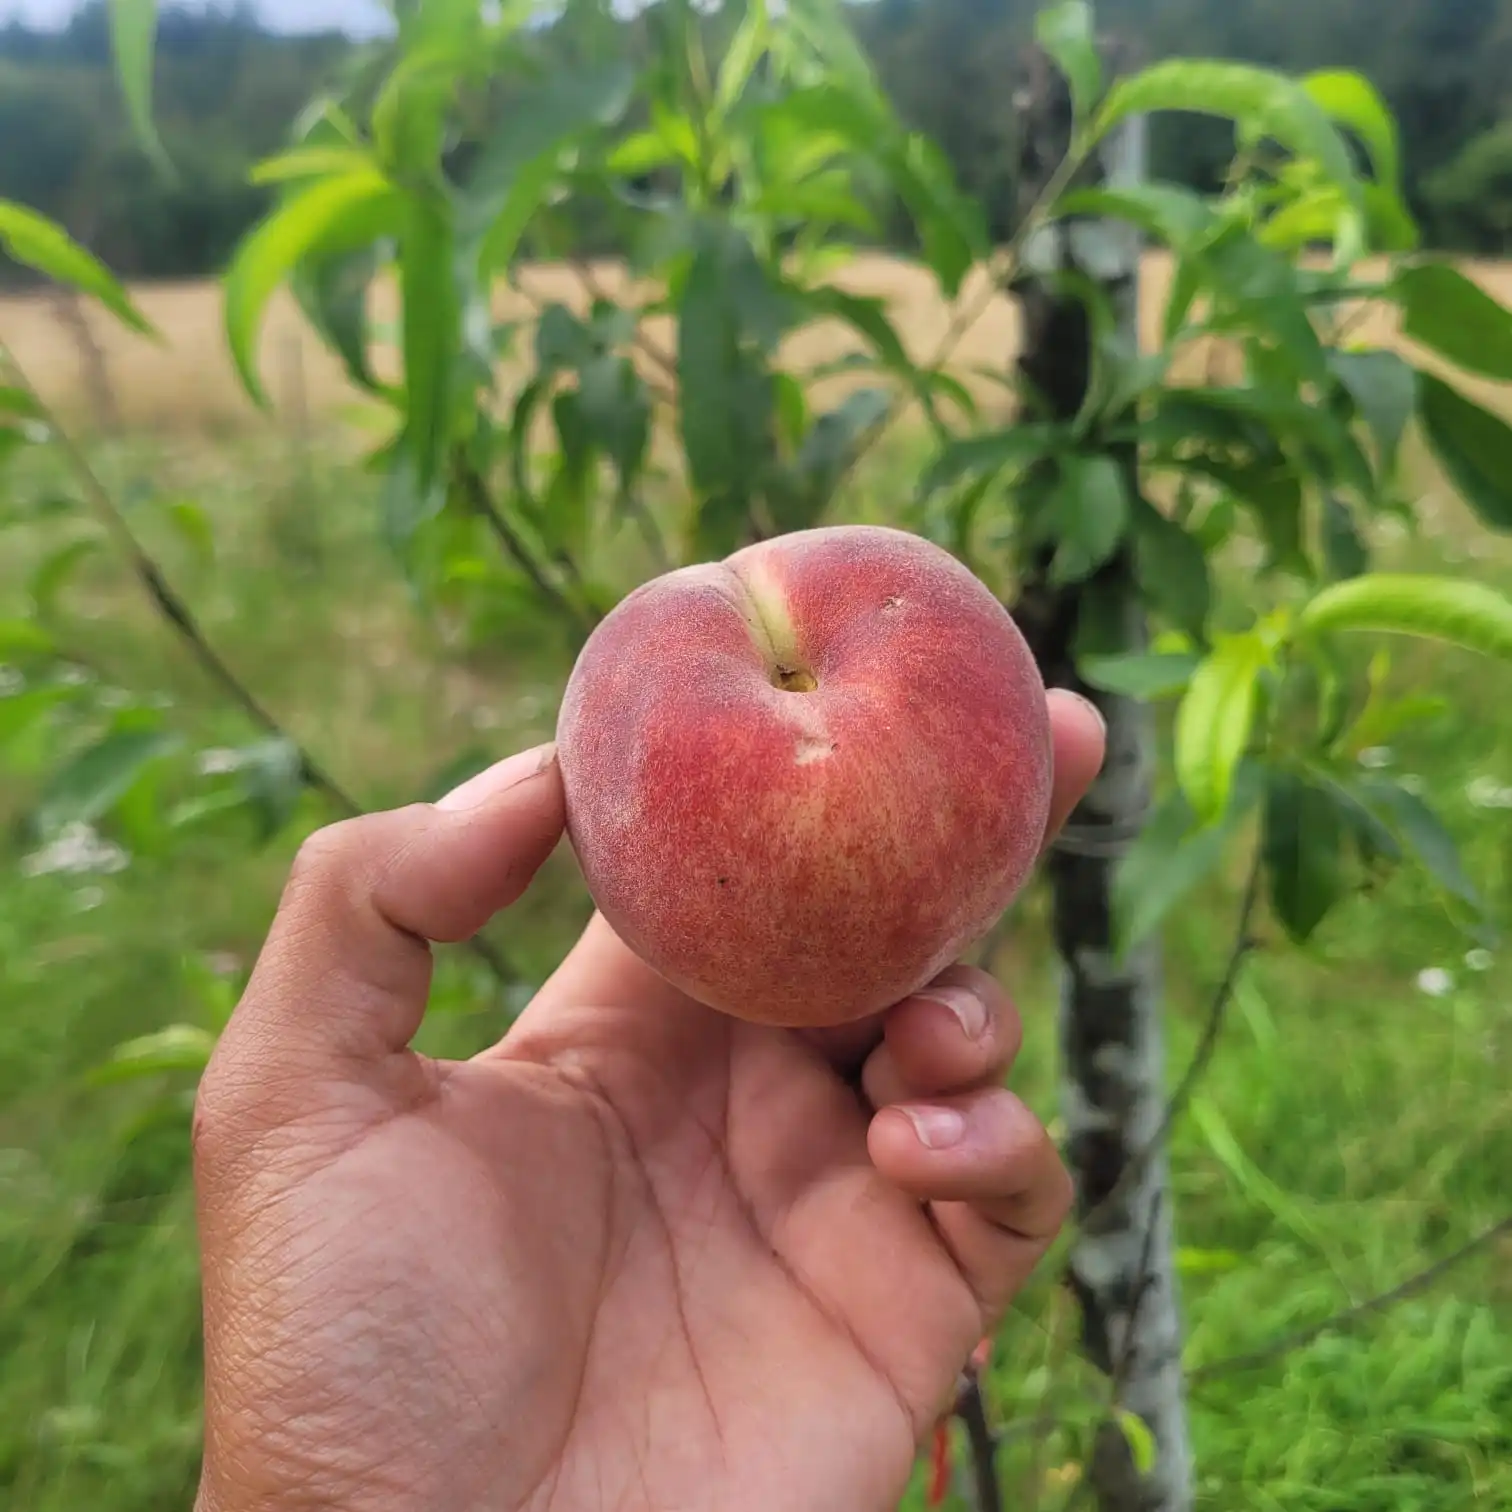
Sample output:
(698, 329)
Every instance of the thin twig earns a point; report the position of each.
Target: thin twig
(178, 614)
(651, 531)
(597, 292)
(164, 598)
(1002, 268)
(971, 1408)
(483, 503)
(1347, 1317)
(638, 339)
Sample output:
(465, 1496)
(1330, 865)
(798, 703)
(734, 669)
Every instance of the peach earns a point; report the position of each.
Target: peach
(801, 781)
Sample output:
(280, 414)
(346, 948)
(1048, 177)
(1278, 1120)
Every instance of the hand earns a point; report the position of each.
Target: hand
(637, 1255)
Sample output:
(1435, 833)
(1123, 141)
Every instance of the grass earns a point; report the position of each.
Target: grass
(1351, 1128)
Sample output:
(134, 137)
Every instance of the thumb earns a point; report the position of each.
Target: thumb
(343, 977)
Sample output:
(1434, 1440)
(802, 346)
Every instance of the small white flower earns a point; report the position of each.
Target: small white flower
(1435, 981)
(1376, 757)
(76, 851)
(217, 762)
(1487, 792)
(1479, 960)
(11, 681)
(88, 898)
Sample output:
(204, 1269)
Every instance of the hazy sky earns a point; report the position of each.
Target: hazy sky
(301, 15)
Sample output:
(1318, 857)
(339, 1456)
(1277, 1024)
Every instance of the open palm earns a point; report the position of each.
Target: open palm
(638, 1255)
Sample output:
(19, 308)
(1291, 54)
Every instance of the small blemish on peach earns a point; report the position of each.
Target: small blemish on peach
(809, 750)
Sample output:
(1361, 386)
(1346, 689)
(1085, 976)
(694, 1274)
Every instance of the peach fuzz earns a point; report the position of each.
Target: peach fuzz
(801, 781)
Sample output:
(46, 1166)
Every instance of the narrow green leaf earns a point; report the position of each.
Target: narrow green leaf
(1350, 99)
(1065, 31)
(1449, 313)
(1260, 101)
(1343, 549)
(272, 779)
(47, 248)
(1384, 389)
(1087, 515)
(1144, 675)
(96, 779)
(1215, 720)
(1177, 216)
(333, 292)
(18, 402)
(432, 332)
(508, 183)
(24, 637)
(1302, 841)
(616, 409)
(54, 570)
(1172, 856)
(746, 49)
(561, 340)
(1457, 610)
(823, 456)
(179, 1047)
(728, 397)
(408, 117)
(952, 228)
(20, 713)
(1172, 570)
(989, 455)
(1137, 1435)
(1421, 831)
(192, 525)
(133, 37)
(1473, 446)
(640, 153)
(331, 217)
(322, 161)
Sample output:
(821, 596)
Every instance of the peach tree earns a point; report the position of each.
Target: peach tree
(532, 470)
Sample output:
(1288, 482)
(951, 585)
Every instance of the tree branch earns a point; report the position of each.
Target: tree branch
(176, 612)
(1347, 1317)
(482, 501)
(1002, 269)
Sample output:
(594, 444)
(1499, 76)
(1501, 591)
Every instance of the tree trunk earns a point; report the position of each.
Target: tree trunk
(1122, 1265)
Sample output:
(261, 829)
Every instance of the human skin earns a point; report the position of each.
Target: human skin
(803, 780)
(638, 1255)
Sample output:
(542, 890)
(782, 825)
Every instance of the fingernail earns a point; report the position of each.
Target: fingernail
(937, 1128)
(499, 778)
(1087, 704)
(969, 1009)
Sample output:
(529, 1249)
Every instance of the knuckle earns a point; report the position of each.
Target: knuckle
(1060, 1192)
(212, 1116)
(326, 853)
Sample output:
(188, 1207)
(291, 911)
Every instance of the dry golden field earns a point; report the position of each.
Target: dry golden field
(185, 383)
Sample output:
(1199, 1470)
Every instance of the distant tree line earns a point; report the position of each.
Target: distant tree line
(228, 89)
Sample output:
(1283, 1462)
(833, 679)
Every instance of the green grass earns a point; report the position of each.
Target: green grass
(1350, 1129)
